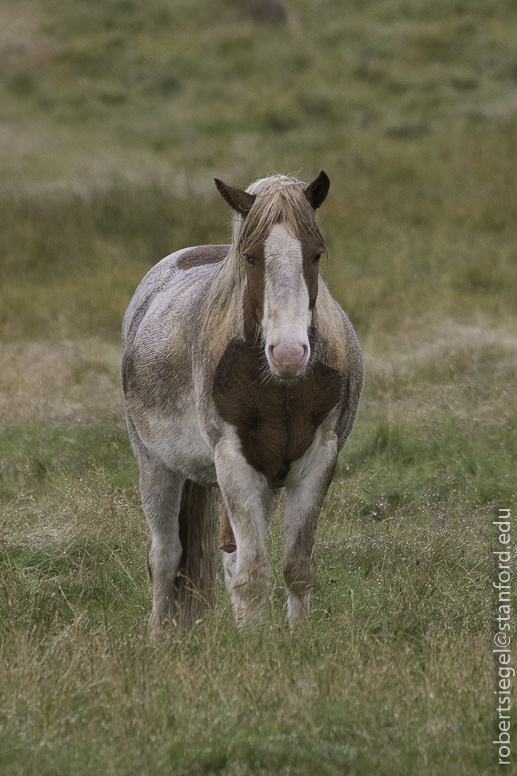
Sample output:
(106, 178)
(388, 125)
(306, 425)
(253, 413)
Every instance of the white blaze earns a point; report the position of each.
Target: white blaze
(286, 304)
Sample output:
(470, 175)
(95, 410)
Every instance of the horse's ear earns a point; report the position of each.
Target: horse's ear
(238, 199)
(318, 190)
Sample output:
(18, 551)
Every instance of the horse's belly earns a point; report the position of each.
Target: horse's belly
(180, 446)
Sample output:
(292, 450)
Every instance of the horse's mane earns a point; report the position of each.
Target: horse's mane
(279, 199)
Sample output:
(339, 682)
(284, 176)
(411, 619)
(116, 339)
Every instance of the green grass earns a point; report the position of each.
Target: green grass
(116, 116)
(46, 454)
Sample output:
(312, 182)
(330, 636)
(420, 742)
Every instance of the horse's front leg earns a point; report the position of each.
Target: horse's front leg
(160, 490)
(303, 505)
(249, 503)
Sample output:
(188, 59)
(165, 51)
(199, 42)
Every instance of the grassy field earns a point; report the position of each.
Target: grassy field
(115, 117)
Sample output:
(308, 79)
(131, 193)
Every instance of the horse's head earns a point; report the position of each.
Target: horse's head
(279, 244)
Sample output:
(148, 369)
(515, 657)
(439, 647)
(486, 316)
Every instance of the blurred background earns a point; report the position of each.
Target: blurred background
(117, 114)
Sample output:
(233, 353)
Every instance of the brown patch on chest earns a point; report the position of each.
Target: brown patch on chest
(276, 423)
(204, 254)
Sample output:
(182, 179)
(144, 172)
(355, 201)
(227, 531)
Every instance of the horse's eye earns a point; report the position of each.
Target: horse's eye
(316, 259)
(249, 259)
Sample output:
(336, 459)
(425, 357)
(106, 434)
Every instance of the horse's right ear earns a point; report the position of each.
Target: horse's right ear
(238, 199)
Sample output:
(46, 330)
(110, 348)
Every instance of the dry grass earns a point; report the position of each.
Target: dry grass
(70, 382)
(467, 371)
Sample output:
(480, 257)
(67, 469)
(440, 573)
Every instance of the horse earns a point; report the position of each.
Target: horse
(241, 374)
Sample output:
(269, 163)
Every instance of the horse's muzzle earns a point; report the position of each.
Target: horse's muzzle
(288, 359)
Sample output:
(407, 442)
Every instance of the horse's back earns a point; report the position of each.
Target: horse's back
(163, 276)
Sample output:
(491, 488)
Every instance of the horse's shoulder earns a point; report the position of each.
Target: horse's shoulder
(340, 347)
(354, 377)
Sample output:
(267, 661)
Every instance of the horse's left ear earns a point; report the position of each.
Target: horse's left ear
(318, 190)
(238, 199)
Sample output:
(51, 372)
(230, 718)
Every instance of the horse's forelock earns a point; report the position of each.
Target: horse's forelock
(279, 199)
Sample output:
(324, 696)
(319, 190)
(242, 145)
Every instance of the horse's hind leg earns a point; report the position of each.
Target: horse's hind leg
(160, 490)
(194, 590)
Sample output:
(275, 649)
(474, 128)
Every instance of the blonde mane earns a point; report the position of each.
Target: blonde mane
(279, 199)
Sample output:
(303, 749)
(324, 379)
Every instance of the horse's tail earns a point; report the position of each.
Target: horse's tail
(199, 534)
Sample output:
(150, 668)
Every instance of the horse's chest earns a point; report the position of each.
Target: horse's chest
(276, 423)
